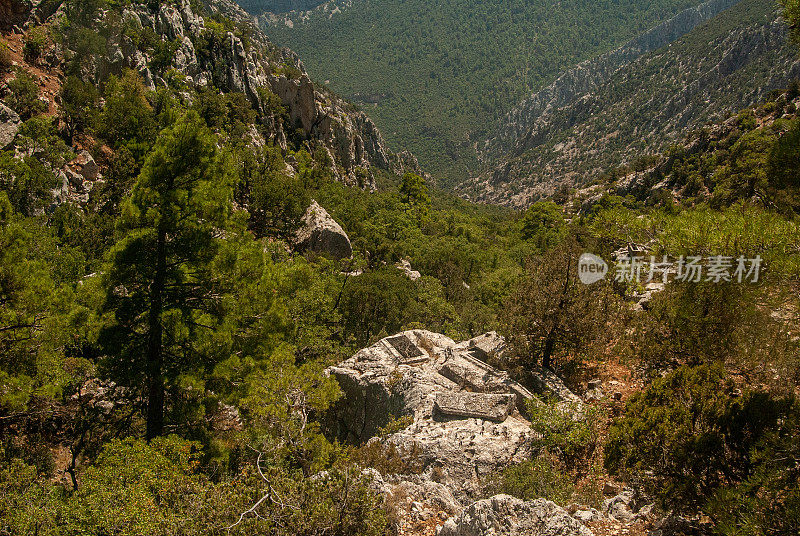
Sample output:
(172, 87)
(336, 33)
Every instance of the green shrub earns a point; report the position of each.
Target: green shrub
(163, 54)
(290, 72)
(29, 504)
(533, 479)
(135, 488)
(543, 224)
(79, 101)
(24, 97)
(5, 57)
(694, 433)
(35, 43)
(747, 120)
(564, 431)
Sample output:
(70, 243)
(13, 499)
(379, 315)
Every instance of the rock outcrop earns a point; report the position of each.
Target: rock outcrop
(320, 233)
(504, 515)
(76, 180)
(9, 125)
(405, 267)
(466, 418)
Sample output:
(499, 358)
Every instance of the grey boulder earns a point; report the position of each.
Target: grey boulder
(320, 233)
(9, 125)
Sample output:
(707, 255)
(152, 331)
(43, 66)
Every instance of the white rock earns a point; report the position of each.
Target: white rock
(503, 515)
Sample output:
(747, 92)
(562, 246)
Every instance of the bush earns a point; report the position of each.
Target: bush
(6, 61)
(135, 488)
(128, 118)
(534, 479)
(35, 43)
(163, 54)
(79, 103)
(694, 432)
(24, 97)
(564, 431)
(543, 224)
(29, 504)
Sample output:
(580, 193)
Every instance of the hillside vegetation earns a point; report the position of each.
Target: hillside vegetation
(436, 76)
(164, 341)
(726, 64)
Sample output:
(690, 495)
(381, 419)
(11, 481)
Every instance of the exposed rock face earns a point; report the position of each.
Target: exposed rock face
(321, 234)
(414, 498)
(86, 166)
(466, 419)
(261, 71)
(503, 515)
(9, 125)
(405, 267)
(77, 179)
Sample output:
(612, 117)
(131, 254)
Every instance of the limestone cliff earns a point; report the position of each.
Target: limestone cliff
(243, 60)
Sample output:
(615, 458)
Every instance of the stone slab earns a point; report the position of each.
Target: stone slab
(409, 352)
(490, 407)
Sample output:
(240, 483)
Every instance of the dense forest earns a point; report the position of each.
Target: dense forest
(451, 70)
(163, 341)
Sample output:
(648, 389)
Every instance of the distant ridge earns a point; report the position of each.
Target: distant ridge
(590, 74)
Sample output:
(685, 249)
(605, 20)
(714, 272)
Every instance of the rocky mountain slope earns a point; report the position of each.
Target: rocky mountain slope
(711, 164)
(589, 75)
(588, 122)
(278, 6)
(243, 61)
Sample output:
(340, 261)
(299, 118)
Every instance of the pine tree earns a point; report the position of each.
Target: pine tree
(161, 285)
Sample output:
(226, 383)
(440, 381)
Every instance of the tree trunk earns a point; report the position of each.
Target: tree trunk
(548, 351)
(155, 357)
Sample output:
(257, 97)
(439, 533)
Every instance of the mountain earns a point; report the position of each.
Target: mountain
(597, 116)
(437, 75)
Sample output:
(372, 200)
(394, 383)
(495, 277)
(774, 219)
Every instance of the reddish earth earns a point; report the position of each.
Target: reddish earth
(48, 79)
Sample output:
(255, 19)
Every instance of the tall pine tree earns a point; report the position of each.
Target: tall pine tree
(162, 289)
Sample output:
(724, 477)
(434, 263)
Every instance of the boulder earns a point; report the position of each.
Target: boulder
(464, 416)
(588, 515)
(321, 234)
(9, 125)
(621, 507)
(503, 515)
(85, 165)
(405, 267)
(626, 507)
